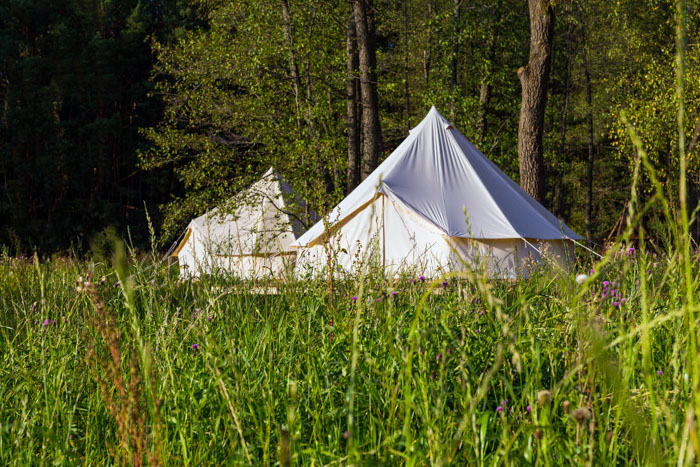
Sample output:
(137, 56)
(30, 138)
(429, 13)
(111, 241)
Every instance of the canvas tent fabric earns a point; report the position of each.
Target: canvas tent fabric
(252, 241)
(435, 204)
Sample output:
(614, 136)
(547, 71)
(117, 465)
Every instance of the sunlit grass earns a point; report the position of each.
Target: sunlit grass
(214, 372)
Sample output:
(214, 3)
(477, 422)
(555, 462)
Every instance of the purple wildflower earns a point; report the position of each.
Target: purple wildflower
(410, 281)
(116, 284)
(422, 278)
(659, 372)
(630, 251)
(346, 434)
(499, 409)
(354, 299)
(195, 347)
(623, 301)
(379, 299)
(393, 294)
(606, 283)
(46, 322)
(592, 271)
(444, 284)
(528, 409)
(438, 357)
(449, 351)
(616, 304)
(210, 318)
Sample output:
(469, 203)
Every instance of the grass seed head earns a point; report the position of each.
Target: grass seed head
(543, 397)
(582, 414)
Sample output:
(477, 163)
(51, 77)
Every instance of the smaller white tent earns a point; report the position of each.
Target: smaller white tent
(435, 205)
(250, 242)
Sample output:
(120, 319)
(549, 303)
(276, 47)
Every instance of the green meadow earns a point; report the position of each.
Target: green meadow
(128, 364)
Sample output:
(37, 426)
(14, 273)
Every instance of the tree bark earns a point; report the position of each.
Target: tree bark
(293, 68)
(590, 161)
(534, 79)
(352, 87)
(485, 91)
(453, 59)
(407, 98)
(371, 131)
(427, 53)
(559, 187)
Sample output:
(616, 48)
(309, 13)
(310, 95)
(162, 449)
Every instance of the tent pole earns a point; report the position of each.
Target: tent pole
(383, 240)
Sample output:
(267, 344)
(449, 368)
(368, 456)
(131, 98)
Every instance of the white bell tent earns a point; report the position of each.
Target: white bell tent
(250, 242)
(434, 205)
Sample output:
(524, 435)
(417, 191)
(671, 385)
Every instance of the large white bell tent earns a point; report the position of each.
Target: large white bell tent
(435, 205)
(250, 242)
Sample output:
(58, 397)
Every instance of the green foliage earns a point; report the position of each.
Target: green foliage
(102, 244)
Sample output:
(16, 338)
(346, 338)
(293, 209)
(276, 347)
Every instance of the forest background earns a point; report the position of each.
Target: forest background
(113, 110)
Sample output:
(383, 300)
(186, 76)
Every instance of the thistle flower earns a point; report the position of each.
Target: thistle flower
(354, 299)
(195, 347)
(616, 304)
(528, 409)
(499, 409)
(543, 397)
(444, 284)
(422, 278)
(606, 283)
(582, 414)
(379, 299)
(660, 372)
(393, 294)
(630, 252)
(592, 271)
(438, 357)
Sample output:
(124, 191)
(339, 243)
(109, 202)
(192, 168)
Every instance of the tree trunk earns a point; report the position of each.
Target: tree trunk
(427, 53)
(534, 80)
(371, 130)
(560, 190)
(407, 99)
(485, 91)
(589, 162)
(694, 188)
(352, 87)
(293, 69)
(453, 59)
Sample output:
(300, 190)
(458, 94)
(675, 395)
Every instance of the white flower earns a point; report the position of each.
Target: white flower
(581, 278)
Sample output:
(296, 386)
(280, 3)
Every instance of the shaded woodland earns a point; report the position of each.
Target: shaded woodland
(112, 110)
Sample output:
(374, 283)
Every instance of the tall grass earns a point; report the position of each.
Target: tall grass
(542, 370)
